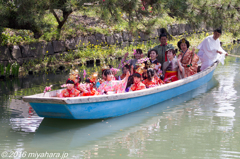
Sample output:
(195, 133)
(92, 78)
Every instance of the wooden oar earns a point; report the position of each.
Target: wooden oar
(233, 55)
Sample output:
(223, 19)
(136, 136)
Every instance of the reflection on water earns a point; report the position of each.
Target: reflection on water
(203, 123)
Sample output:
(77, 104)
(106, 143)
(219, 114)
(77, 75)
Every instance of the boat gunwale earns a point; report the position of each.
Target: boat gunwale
(104, 98)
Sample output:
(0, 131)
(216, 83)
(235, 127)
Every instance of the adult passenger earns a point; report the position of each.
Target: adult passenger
(171, 71)
(187, 58)
(210, 50)
(161, 49)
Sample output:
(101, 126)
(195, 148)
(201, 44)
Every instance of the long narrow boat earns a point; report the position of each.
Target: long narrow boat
(106, 106)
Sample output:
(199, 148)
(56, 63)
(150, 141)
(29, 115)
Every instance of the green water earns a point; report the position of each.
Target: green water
(203, 123)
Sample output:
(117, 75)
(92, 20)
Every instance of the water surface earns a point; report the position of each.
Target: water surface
(203, 123)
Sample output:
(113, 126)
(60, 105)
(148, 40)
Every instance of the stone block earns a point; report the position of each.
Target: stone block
(4, 53)
(100, 39)
(131, 37)
(181, 28)
(118, 38)
(59, 46)
(110, 40)
(125, 36)
(175, 30)
(124, 44)
(169, 29)
(4, 63)
(189, 28)
(16, 52)
(49, 48)
(25, 50)
(143, 36)
(92, 40)
(36, 50)
(70, 44)
(81, 41)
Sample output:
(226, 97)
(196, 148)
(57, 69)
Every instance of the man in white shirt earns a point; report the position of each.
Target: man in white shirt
(210, 50)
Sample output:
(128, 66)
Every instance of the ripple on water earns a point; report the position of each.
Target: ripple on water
(203, 126)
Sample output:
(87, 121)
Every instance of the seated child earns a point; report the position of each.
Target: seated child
(125, 69)
(100, 81)
(129, 83)
(112, 86)
(75, 77)
(160, 81)
(137, 84)
(150, 81)
(70, 91)
(91, 91)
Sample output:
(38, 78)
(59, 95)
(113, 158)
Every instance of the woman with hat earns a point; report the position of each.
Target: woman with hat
(171, 71)
(187, 58)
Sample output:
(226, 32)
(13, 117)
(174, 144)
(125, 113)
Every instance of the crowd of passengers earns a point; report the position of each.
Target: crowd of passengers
(161, 66)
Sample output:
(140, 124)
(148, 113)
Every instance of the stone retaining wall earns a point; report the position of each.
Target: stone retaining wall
(23, 53)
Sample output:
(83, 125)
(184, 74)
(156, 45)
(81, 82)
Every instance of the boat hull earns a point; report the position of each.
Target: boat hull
(113, 108)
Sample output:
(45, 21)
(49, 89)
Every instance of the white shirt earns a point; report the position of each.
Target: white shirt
(208, 52)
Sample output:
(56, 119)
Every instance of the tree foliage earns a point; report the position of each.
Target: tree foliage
(28, 14)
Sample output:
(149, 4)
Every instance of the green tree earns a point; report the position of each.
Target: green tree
(28, 14)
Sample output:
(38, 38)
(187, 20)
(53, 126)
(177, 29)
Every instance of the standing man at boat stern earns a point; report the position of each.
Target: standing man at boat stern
(210, 50)
(161, 49)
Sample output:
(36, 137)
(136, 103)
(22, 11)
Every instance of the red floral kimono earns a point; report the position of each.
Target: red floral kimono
(137, 86)
(170, 76)
(70, 93)
(149, 84)
(92, 92)
(76, 85)
(160, 82)
(189, 62)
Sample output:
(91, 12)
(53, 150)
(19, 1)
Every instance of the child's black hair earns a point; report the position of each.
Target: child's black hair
(107, 72)
(150, 74)
(139, 51)
(70, 82)
(136, 75)
(144, 75)
(127, 66)
(130, 81)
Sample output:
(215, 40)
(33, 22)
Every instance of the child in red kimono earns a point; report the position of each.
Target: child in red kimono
(137, 84)
(70, 91)
(91, 91)
(151, 81)
(160, 81)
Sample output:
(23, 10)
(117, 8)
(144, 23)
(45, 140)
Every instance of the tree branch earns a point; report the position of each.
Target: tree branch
(55, 15)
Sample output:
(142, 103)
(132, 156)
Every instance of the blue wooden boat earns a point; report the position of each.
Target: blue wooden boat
(106, 106)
